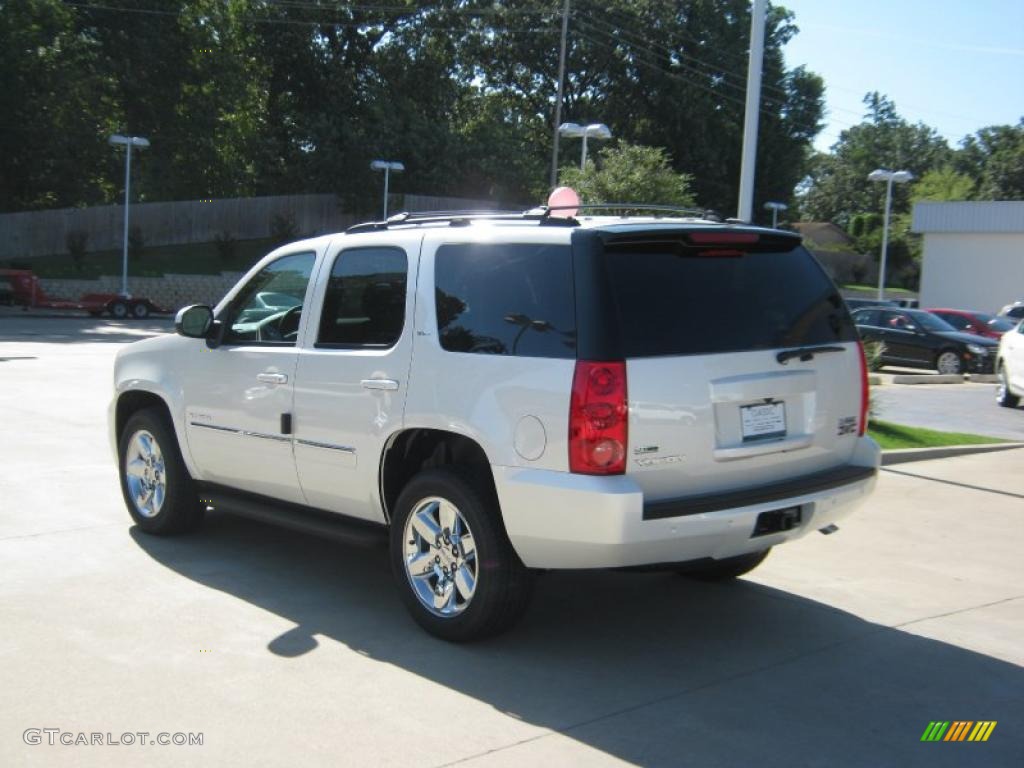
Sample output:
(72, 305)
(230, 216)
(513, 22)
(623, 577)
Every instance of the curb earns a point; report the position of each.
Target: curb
(935, 378)
(876, 379)
(904, 455)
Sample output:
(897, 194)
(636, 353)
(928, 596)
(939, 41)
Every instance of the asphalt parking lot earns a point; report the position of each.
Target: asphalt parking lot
(950, 407)
(286, 650)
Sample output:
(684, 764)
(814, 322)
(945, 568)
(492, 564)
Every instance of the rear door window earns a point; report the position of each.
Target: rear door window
(506, 299)
(867, 317)
(685, 301)
(364, 305)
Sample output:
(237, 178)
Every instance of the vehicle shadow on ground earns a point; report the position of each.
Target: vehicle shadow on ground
(79, 330)
(648, 667)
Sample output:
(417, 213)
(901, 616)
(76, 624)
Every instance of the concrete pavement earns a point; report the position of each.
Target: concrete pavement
(286, 650)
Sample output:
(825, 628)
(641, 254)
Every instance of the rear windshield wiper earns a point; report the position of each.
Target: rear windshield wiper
(805, 353)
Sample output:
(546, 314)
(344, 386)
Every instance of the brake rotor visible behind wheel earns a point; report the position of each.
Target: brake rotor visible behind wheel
(454, 566)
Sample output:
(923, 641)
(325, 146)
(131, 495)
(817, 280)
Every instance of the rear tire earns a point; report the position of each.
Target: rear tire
(726, 569)
(455, 569)
(140, 311)
(118, 309)
(1004, 397)
(159, 492)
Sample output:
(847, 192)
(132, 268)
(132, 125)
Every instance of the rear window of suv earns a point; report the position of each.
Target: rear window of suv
(683, 301)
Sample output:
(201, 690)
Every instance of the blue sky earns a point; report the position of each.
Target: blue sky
(956, 66)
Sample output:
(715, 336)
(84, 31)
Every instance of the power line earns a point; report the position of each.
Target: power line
(622, 29)
(641, 58)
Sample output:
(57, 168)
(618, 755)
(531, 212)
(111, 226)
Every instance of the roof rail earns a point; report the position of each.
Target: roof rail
(432, 217)
(654, 208)
(541, 214)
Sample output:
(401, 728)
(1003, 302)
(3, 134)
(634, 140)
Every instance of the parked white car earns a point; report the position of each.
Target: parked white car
(498, 394)
(1010, 367)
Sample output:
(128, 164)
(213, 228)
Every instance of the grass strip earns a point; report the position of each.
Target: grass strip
(890, 436)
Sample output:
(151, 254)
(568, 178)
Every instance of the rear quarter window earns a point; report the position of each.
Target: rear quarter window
(506, 299)
(679, 301)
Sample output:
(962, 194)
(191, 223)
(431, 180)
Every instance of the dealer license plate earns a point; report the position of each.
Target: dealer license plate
(763, 421)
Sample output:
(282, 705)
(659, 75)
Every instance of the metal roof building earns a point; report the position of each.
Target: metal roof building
(973, 254)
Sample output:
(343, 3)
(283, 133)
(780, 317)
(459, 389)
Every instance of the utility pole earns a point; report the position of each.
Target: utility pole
(745, 210)
(561, 91)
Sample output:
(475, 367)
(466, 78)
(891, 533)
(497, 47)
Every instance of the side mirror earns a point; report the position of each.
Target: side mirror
(194, 321)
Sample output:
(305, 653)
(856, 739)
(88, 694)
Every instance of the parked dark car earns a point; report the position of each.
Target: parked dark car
(976, 323)
(914, 338)
(6, 292)
(853, 304)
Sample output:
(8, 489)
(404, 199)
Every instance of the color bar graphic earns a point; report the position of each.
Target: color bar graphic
(958, 730)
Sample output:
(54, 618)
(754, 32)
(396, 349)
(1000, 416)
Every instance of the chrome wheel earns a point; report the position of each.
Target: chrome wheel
(948, 362)
(440, 556)
(145, 473)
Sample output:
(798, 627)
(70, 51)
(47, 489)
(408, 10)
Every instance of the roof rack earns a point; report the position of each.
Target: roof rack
(704, 213)
(541, 214)
(455, 218)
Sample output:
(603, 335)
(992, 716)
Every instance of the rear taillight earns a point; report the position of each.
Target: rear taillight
(598, 419)
(863, 390)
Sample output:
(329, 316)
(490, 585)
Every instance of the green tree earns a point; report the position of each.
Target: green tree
(630, 173)
(994, 156)
(58, 107)
(838, 187)
(943, 184)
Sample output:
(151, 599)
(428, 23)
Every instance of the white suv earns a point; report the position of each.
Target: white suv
(497, 394)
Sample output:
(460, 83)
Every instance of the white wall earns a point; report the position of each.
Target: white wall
(972, 271)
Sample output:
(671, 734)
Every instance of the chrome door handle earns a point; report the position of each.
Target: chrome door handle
(272, 378)
(389, 384)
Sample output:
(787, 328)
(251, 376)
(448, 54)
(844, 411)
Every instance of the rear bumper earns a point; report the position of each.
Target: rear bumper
(561, 520)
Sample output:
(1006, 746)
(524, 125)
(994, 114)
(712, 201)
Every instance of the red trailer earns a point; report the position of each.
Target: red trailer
(25, 290)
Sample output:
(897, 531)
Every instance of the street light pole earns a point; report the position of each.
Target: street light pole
(888, 177)
(595, 130)
(387, 166)
(128, 142)
(127, 208)
(775, 208)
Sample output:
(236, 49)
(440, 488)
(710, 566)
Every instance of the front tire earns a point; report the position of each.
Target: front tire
(455, 568)
(119, 310)
(140, 311)
(949, 362)
(725, 569)
(159, 492)
(1004, 397)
